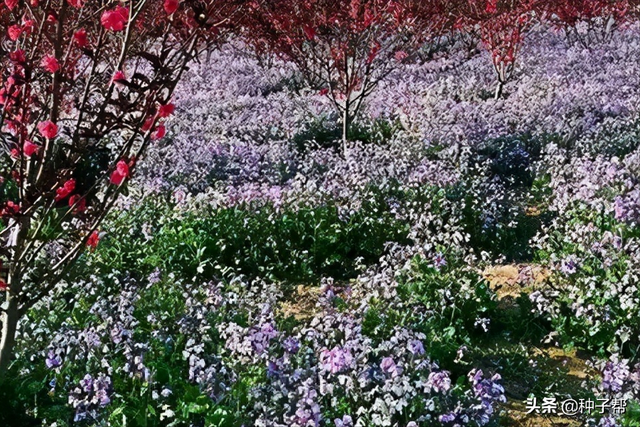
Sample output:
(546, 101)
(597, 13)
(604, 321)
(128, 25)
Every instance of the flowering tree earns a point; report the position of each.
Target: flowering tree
(85, 88)
(584, 21)
(343, 47)
(502, 25)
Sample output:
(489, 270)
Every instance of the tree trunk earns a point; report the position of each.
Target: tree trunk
(345, 129)
(10, 309)
(499, 89)
(10, 317)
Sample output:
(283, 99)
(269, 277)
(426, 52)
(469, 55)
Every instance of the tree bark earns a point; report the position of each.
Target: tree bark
(499, 90)
(10, 317)
(10, 310)
(345, 128)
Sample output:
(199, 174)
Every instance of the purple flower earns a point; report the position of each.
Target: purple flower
(345, 421)
(336, 360)
(261, 337)
(307, 417)
(87, 383)
(389, 366)
(291, 345)
(488, 392)
(488, 389)
(439, 381)
(90, 396)
(308, 412)
(617, 242)
(53, 360)
(614, 375)
(329, 293)
(447, 418)
(439, 260)
(268, 330)
(272, 369)
(52, 384)
(155, 277)
(569, 265)
(135, 365)
(416, 347)
(607, 422)
(179, 196)
(102, 397)
(620, 209)
(461, 352)
(118, 334)
(91, 337)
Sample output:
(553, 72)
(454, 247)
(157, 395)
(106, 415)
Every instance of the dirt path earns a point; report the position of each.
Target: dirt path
(509, 282)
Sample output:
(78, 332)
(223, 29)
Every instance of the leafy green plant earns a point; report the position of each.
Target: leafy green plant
(325, 132)
(451, 304)
(584, 315)
(504, 194)
(631, 417)
(297, 245)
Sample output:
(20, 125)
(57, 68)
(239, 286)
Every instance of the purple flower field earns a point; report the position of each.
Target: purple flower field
(457, 257)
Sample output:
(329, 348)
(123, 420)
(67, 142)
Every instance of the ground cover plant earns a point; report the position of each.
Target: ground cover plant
(349, 214)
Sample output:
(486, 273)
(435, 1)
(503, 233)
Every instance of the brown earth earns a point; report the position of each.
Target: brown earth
(302, 305)
(509, 282)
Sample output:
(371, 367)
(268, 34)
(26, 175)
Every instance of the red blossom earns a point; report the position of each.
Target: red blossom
(27, 25)
(373, 52)
(492, 6)
(12, 125)
(115, 19)
(13, 207)
(321, 36)
(77, 40)
(50, 64)
(64, 191)
(159, 133)
(78, 202)
(14, 32)
(166, 110)
(119, 77)
(11, 4)
(93, 240)
(29, 148)
(48, 129)
(309, 32)
(170, 6)
(123, 168)
(80, 38)
(10, 209)
(18, 56)
(120, 174)
(3, 285)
